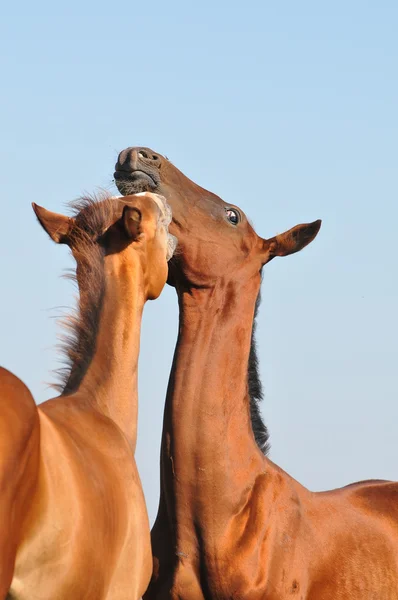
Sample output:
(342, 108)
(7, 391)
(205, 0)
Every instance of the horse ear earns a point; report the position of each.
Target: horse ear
(132, 221)
(291, 241)
(57, 226)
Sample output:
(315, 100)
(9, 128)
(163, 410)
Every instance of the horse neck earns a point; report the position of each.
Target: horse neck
(208, 444)
(110, 382)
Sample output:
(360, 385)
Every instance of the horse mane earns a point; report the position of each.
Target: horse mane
(93, 215)
(260, 430)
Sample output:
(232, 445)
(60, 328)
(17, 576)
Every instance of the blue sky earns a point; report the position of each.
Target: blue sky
(286, 109)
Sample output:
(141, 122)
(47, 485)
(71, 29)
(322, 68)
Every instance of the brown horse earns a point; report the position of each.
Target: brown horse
(73, 516)
(231, 524)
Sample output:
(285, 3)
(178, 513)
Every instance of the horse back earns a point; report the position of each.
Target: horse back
(19, 464)
(19, 434)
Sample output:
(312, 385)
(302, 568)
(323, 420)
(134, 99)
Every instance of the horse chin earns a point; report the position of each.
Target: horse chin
(134, 183)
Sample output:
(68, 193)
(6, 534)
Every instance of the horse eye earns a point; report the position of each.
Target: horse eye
(233, 216)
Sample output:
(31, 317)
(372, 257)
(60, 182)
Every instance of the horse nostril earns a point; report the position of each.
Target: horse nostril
(122, 156)
(148, 155)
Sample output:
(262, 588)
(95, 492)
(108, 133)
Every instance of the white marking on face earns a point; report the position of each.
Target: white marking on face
(162, 204)
(171, 245)
(165, 210)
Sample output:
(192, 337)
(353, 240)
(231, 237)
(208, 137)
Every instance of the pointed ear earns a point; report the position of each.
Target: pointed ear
(291, 241)
(57, 226)
(132, 222)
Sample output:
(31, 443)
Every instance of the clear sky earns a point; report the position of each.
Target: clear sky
(287, 109)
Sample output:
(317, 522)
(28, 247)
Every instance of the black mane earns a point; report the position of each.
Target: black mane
(261, 433)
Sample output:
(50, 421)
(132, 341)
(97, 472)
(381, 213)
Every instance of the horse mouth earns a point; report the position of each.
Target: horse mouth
(133, 182)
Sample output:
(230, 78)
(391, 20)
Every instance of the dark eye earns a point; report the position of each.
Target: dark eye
(233, 216)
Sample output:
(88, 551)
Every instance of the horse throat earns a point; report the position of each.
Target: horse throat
(108, 378)
(208, 416)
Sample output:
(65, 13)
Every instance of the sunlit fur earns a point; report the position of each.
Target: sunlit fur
(74, 518)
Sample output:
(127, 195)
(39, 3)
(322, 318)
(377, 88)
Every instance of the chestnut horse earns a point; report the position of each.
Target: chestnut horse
(73, 516)
(231, 524)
